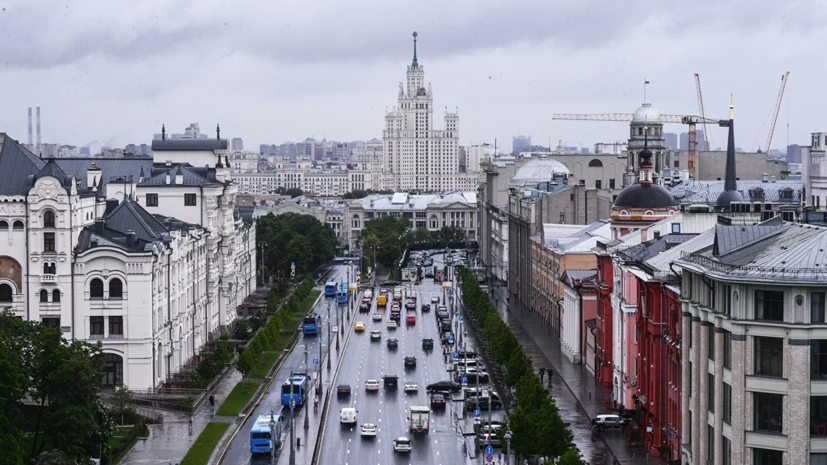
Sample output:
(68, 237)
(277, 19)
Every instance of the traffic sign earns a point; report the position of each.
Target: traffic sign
(456, 354)
(464, 380)
(450, 338)
(461, 318)
(489, 450)
(489, 457)
(292, 403)
(292, 265)
(477, 413)
(315, 361)
(370, 269)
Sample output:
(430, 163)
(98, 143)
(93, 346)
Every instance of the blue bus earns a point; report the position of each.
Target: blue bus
(341, 296)
(311, 324)
(330, 289)
(260, 436)
(300, 384)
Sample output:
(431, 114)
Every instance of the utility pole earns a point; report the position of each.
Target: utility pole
(292, 421)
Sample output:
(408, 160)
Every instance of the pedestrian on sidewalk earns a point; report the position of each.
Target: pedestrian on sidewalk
(190, 420)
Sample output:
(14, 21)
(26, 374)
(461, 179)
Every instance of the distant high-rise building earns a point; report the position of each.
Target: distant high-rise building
(237, 144)
(671, 141)
(794, 153)
(85, 152)
(520, 143)
(700, 147)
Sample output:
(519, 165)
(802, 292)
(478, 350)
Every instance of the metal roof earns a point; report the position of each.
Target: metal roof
(728, 239)
(16, 165)
(189, 144)
(707, 192)
(380, 202)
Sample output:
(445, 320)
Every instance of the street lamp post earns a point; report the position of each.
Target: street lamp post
(507, 438)
(292, 421)
(328, 338)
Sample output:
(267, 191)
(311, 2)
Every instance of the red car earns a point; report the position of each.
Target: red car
(410, 319)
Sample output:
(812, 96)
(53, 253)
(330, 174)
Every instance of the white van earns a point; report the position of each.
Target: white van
(347, 415)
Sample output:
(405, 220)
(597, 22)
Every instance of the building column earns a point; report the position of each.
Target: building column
(697, 390)
(686, 427)
(741, 355)
(719, 397)
(702, 366)
(797, 414)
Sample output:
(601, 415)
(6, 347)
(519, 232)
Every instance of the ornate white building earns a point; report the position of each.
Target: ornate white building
(149, 257)
(418, 157)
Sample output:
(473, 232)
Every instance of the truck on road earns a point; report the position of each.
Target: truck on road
(420, 419)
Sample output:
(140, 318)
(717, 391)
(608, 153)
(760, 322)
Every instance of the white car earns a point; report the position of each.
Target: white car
(377, 317)
(347, 415)
(435, 299)
(392, 324)
(368, 293)
(402, 444)
(371, 385)
(369, 429)
(410, 386)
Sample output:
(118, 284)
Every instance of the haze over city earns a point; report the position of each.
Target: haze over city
(270, 73)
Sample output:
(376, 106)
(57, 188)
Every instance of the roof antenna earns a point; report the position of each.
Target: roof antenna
(217, 132)
(415, 63)
(163, 132)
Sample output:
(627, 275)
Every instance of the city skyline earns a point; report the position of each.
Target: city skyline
(116, 85)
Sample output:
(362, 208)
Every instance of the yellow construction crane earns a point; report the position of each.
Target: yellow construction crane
(689, 120)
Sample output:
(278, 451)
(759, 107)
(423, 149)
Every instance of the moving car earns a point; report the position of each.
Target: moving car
(410, 386)
(426, 307)
(601, 422)
(369, 430)
(401, 444)
(427, 344)
(377, 316)
(343, 390)
(391, 381)
(347, 415)
(395, 316)
(410, 362)
(410, 304)
(438, 401)
(434, 299)
(392, 324)
(410, 319)
(444, 386)
(359, 326)
(393, 343)
(371, 385)
(375, 336)
(364, 307)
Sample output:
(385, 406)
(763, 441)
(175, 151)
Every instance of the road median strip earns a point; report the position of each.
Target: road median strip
(199, 453)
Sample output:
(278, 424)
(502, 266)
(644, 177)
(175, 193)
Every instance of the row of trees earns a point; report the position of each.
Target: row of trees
(63, 379)
(391, 236)
(538, 430)
(294, 238)
(278, 318)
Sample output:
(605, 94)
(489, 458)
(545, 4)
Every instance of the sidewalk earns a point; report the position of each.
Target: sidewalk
(590, 395)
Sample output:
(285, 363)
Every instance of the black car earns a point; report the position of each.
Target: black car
(445, 326)
(389, 283)
(343, 390)
(481, 403)
(364, 307)
(427, 344)
(444, 386)
(426, 307)
(391, 381)
(437, 400)
(393, 343)
(395, 316)
(466, 354)
(442, 315)
(472, 377)
(410, 362)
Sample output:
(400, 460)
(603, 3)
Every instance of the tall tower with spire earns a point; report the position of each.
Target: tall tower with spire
(418, 157)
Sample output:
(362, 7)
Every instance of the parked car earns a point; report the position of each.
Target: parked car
(438, 401)
(369, 430)
(602, 422)
(401, 444)
(410, 362)
(472, 376)
(481, 403)
(391, 381)
(447, 337)
(343, 390)
(444, 386)
(488, 439)
(393, 343)
(427, 344)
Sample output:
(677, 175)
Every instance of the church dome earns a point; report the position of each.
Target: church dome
(540, 170)
(646, 114)
(645, 195)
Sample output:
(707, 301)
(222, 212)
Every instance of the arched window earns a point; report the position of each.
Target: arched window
(96, 289)
(18, 224)
(49, 268)
(44, 296)
(595, 163)
(4, 225)
(115, 289)
(55, 296)
(49, 219)
(5, 293)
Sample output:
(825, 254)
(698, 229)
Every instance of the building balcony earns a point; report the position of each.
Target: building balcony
(48, 279)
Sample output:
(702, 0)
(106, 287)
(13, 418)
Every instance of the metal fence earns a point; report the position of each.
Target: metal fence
(758, 271)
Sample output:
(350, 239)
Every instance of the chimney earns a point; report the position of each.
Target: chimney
(130, 238)
(765, 177)
(38, 130)
(30, 127)
(657, 235)
(93, 176)
(772, 179)
(167, 180)
(99, 225)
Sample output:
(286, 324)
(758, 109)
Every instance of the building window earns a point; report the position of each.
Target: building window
(676, 228)
(96, 289)
(115, 288)
(49, 219)
(152, 200)
(51, 322)
(768, 412)
(711, 380)
(595, 163)
(710, 338)
(96, 326)
(55, 296)
(17, 225)
(727, 350)
(767, 457)
(769, 356)
(5, 293)
(48, 242)
(727, 452)
(116, 326)
(4, 225)
(44, 296)
(818, 416)
(710, 446)
(189, 200)
(49, 268)
(727, 403)
(769, 305)
(611, 183)
(598, 184)
(818, 459)
(581, 182)
(817, 307)
(818, 359)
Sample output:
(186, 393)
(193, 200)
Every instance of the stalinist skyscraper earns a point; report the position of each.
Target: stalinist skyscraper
(418, 157)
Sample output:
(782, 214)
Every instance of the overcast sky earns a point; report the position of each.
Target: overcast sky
(110, 72)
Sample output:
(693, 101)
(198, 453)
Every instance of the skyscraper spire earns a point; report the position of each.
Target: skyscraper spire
(730, 193)
(415, 63)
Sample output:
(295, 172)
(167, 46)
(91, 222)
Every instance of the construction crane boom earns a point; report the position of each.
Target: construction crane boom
(776, 109)
(701, 108)
(611, 117)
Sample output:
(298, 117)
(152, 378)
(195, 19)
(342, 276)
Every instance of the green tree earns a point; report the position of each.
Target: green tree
(10, 410)
(245, 364)
(56, 457)
(122, 404)
(242, 331)
(518, 366)
(572, 457)
(301, 252)
(355, 194)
